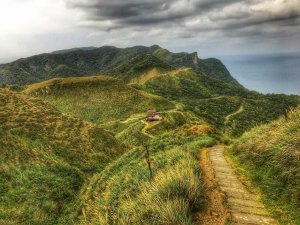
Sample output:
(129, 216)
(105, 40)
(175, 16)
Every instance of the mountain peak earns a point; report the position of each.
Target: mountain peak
(155, 47)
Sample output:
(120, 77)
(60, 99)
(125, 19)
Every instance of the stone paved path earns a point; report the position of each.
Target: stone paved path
(244, 207)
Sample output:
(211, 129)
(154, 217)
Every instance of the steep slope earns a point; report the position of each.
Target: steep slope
(126, 193)
(46, 158)
(135, 68)
(271, 156)
(97, 99)
(214, 100)
(84, 62)
(211, 67)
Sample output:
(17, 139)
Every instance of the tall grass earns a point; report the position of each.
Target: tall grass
(270, 153)
(124, 193)
(46, 159)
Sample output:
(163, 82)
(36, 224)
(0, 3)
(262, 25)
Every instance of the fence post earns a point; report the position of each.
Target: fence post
(148, 160)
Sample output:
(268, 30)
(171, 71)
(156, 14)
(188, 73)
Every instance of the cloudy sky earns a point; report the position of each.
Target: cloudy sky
(210, 27)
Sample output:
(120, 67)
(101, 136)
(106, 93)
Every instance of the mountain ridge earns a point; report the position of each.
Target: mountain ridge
(90, 61)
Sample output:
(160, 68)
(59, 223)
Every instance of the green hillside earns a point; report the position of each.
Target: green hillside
(78, 150)
(124, 193)
(67, 171)
(139, 65)
(97, 99)
(105, 60)
(270, 155)
(229, 107)
(46, 158)
(211, 67)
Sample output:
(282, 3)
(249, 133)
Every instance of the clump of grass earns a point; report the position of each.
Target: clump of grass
(270, 153)
(173, 194)
(123, 193)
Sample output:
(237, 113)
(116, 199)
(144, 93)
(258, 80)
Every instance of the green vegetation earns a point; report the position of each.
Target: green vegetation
(124, 193)
(66, 171)
(96, 99)
(46, 158)
(260, 110)
(106, 60)
(133, 134)
(270, 155)
(214, 100)
(73, 149)
(138, 65)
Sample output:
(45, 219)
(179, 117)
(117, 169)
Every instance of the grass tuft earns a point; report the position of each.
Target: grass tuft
(270, 154)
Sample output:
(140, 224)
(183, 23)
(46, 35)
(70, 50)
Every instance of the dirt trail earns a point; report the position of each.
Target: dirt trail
(146, 127)
(241, 109)
(243, 206)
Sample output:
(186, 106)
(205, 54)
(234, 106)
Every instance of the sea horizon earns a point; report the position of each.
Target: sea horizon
(266, 73)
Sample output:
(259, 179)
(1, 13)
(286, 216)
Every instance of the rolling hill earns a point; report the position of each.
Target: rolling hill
(73, 139)
(97, 99)
(103, 99)
(230, 108)
(103, 60)
(58, 169)
(46, 158)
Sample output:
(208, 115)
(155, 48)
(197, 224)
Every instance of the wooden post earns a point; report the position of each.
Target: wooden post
(286, 114)
(148, 160)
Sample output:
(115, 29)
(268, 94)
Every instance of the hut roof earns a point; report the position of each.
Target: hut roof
(152, 111)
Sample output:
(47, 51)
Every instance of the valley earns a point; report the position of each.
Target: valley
(74, 137)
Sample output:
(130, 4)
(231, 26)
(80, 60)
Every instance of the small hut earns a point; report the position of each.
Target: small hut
(151, 112)
(153, 115)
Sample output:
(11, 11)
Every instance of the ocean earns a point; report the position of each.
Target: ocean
(266, 73)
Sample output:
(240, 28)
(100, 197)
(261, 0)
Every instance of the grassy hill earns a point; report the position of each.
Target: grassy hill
(217, 101)
(105, 60)
(270, 155)
(46, 158)
(137, 66)
(73, 149)
(97, 99)
(211, 67)
(125, 193)
(67, 171)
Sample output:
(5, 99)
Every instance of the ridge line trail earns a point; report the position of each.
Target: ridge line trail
(242, 206)
(145, 128)
(240, 109)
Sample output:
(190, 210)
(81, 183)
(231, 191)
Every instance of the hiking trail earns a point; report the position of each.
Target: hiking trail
(242, 206)
(240, 109)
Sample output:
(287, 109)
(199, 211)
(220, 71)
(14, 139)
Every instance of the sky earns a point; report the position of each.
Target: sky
(210, 27)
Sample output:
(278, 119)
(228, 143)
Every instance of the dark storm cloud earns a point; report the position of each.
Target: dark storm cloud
(117, 9)
(147, 12)
(127, 11)
(193, 16)
(213, 4)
